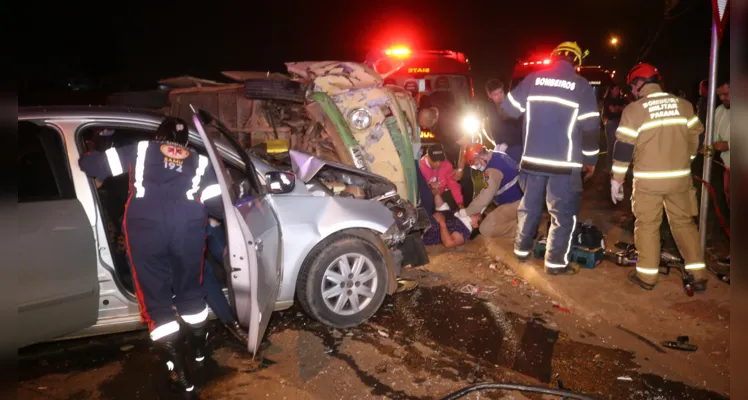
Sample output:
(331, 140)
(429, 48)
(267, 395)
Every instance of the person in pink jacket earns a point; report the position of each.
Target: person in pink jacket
(439, 175)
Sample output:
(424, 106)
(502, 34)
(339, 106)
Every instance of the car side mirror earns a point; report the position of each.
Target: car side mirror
(280, 182)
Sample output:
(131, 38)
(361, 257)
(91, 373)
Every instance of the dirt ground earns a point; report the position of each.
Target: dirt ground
(474, 318)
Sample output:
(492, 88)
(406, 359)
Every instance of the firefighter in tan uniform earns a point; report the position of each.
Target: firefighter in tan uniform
(660, 133)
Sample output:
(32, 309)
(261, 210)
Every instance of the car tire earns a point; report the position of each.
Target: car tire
(274, 89)
(319, 269)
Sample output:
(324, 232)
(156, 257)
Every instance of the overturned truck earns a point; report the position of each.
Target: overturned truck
(337, 111)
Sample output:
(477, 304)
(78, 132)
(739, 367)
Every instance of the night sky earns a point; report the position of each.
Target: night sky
(122, 46)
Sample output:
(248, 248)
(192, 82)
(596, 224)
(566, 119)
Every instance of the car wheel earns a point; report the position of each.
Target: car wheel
(344, 283)
(274, 89)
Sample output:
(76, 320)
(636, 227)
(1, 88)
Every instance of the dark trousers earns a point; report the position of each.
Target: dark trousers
(216, 243)
(166, 254)
(610, 135)
(561, 194)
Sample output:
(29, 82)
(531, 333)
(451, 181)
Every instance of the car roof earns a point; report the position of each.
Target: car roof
(126, 113)
(77, 112)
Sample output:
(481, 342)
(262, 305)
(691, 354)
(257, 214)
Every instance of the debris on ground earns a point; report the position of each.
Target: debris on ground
(562, 309)
(492, 266)
(681, 343)
(126, 347)
(383, 334)
(625, 378)
(642, 338)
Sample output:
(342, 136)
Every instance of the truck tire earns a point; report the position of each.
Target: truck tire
(274, 89)
(323, 286)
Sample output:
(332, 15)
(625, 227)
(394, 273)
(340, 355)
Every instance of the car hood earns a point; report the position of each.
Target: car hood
(306, 167)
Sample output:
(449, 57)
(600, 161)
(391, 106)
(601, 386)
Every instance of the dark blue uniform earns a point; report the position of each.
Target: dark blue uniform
(164, 223)
(562, 130)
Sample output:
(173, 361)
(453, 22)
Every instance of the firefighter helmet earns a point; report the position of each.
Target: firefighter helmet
(568, 49)
(644, 71)
(173, 130)
(472, 151)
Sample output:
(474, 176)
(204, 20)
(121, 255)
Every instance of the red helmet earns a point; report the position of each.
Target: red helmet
(472, 151)
(645, 71)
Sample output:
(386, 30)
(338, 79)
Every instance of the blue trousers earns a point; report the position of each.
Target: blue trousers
(425, 196)
(561, 194)
(216, 242)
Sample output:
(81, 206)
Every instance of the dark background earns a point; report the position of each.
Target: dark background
(103, 47)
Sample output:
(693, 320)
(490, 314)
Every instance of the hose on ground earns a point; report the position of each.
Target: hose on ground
(518, 387)
(713, 195)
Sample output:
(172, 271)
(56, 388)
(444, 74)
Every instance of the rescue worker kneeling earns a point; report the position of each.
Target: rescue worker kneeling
(660, 133)
(501, 174)
(562, 133)
(164, 223)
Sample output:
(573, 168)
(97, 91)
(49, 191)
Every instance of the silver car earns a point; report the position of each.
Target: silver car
(331, 236)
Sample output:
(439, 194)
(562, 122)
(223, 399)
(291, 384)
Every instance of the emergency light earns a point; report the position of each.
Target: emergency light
(398, 51)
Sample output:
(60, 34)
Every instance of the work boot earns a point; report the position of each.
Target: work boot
(699, 279)
(238, 332)
(633, 277)
(569, 269)
(171, 352)
(523, 257)
(198, 339)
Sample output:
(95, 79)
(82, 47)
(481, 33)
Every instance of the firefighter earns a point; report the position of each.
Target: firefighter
(501, 175)
(171, 187)
(660, 133)
(562, 130)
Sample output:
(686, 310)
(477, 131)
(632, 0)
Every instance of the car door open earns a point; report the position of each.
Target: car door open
(247, 275)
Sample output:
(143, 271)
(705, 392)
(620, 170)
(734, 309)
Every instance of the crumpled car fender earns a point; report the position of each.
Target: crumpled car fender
(321, 217)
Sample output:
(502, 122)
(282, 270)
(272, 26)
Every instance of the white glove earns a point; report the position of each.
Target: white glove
(462, 213)
(616, 191)
(502, 147)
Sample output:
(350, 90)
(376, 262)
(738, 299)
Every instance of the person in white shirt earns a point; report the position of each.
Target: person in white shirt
(722, 139)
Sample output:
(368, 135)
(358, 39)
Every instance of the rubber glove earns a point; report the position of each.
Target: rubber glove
(616, 191)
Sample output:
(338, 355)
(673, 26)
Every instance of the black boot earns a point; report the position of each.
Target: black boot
(171, 350)
(240, 333)
(198, 340)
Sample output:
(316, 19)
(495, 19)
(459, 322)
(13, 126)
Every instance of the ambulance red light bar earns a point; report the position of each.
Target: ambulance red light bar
(398, 51)
(538, 62)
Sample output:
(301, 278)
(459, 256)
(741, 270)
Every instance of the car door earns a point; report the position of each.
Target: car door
(57, 279)
(253, 280)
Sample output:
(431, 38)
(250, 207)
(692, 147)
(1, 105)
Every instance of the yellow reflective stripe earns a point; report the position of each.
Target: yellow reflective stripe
(554, 163)
(693, 156)
(627, 131)
(591, 153)
(694, 266)
(662, 122)
(648, 271)
(521, 253)
(115, 165)
(658, 94)
(662, 174)
(588, 116)
(692, 121)
(553, 99)
(570, 131)
(552, 265)
(514, 102)
(620, 170)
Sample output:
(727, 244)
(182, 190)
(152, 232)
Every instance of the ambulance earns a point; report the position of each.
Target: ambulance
(440, 78)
